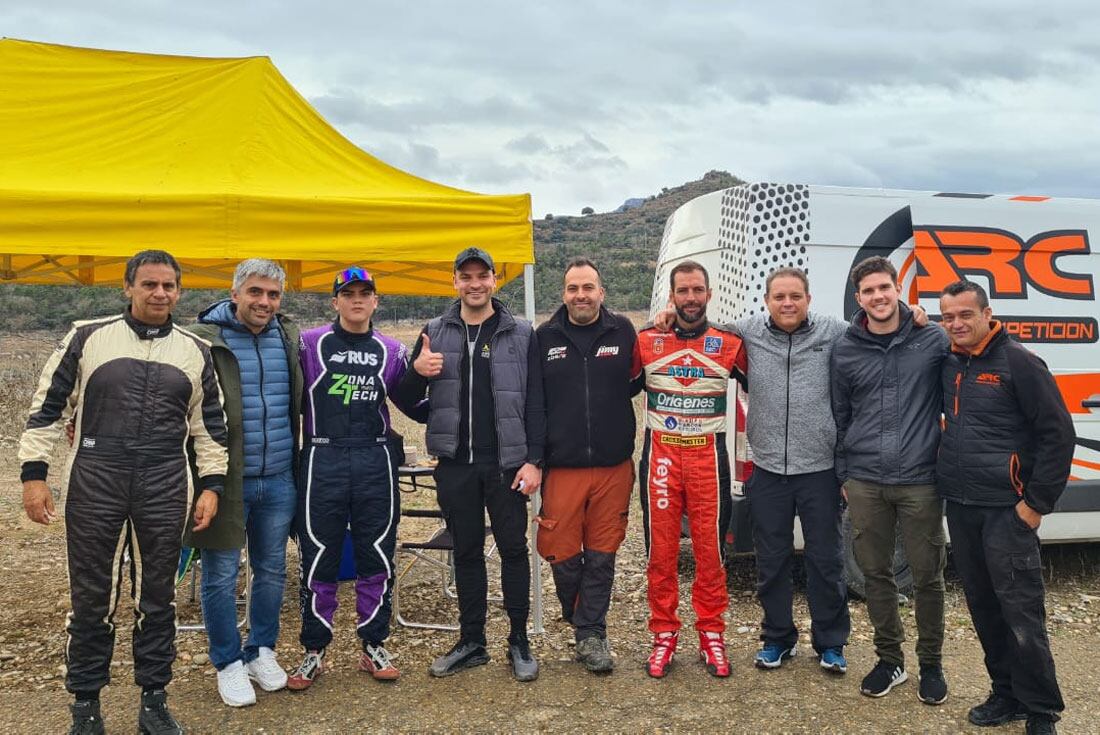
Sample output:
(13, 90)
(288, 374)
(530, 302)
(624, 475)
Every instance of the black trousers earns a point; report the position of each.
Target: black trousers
(342, 487)
(465, 492)
(815, 496)
(123, 505)
(997, 556)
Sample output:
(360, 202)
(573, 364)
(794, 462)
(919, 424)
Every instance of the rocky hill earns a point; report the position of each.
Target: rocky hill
(622, 243)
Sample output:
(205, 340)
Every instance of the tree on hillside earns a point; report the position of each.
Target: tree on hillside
(587, 211)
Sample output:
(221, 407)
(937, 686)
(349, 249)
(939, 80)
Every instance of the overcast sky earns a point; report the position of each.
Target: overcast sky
(591, 103)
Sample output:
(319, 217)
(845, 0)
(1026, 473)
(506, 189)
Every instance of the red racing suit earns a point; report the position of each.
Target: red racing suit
(685, 466)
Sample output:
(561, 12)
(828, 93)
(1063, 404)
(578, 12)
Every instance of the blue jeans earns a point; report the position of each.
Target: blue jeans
(269, 504)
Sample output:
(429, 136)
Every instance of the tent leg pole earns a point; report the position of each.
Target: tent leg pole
(529, 292)
(536, 561)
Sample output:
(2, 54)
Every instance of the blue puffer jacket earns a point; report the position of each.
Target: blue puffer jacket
(265, 390)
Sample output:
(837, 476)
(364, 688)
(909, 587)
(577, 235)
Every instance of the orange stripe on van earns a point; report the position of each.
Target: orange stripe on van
(914, 292)
(1090, 465)
(1076, 387)
(1074, 478)
(1027, 199)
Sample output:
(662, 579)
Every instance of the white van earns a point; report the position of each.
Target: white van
(1032, 255)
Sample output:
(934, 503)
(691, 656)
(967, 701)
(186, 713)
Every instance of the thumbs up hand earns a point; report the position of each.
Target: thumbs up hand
(428, 363)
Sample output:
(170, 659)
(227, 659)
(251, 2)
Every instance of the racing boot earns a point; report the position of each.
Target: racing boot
(86, 718)
(154, 717)
(712, 650)
(312, 666)
(664, 648)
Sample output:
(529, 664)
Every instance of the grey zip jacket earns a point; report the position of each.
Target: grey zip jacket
(790, 423)
(887, 401)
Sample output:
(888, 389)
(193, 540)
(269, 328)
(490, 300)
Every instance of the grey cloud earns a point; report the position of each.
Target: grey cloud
(348, 107)
(571, 153)
(530, 143)
(419, 159)
(495, 172)
(596, 162)
(592, 103)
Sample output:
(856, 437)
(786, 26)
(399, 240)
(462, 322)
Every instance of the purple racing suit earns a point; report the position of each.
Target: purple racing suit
(347, 477)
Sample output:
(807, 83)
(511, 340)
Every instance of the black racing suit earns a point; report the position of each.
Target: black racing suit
(143, 397)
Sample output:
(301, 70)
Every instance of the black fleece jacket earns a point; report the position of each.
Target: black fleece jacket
(589, 415)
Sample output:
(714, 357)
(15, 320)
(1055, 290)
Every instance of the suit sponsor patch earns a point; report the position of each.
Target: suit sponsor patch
(712, 345)
(353, 357)
(607, 351)
(555, 353)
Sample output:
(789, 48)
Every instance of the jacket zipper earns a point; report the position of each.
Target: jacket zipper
(958, 391)
(587, 410)
(470, 399)
(263, 407)
(1014, 473)
(787, 418)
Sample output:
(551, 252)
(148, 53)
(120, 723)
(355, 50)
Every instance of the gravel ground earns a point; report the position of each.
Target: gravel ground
(799, 698)
(795, 699)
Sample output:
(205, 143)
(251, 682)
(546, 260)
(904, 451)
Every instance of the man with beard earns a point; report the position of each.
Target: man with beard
(588, 378)
(886, 399)
(685, 466)
(1004, 461)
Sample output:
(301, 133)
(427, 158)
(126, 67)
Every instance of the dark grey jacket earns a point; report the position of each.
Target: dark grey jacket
(887, 402)
(516, 390)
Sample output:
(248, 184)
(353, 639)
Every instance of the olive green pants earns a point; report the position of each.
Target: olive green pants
(876, 511)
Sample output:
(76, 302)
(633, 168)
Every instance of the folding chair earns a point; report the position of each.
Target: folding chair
(435, 552)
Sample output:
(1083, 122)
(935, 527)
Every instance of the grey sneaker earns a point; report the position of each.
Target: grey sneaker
(464, 655)
(525, 667)
(595, 653)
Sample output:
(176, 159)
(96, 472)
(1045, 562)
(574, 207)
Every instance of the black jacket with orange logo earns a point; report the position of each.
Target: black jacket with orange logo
(1008, 434)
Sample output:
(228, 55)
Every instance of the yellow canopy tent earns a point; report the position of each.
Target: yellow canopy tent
(104, 153)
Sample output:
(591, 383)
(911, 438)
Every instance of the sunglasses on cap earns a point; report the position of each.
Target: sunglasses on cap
(351, 275)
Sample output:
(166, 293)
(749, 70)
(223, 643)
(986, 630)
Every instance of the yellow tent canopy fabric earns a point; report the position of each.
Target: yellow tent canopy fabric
(105, 153)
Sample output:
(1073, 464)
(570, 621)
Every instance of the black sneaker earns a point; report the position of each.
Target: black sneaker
(464, 655)
(1040, 725)
(996, 710)
(933, 687)
(86, 718)
(882, 679)
(525, 667)
(154, 717)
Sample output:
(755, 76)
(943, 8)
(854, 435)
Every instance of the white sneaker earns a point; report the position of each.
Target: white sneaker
(265, 671)
(234, 686)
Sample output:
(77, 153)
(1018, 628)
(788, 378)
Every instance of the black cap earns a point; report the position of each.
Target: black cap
(474, 254)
